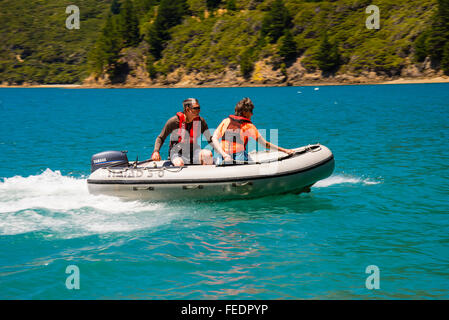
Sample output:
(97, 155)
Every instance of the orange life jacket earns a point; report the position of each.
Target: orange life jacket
(233, 135)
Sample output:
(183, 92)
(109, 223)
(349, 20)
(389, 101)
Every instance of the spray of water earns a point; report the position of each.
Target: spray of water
(341, 179)
(62, 205)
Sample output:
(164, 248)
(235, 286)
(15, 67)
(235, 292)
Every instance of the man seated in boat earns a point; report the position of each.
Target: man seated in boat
(184, 129)
(234, 133)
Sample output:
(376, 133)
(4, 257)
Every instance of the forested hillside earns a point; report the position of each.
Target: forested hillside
(36, 46)
(194, 42)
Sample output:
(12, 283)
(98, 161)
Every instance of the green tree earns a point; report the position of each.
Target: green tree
(246, 63)
(128, 24)
(151, 67)
(212, 4)
(197, 7)
(156, 38)
(115, 7)
(439, 31)
(420, 46)
(170, 14)
(141, 7)
(144, 5)
(443, 13)
(231, 5)
(436, 40)
(288, 49)
(275, 21)
(106, 51)
(445, 59)
(328, 56)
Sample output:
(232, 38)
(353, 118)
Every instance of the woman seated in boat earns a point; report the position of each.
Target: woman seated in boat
(234, 133)
(184, 129)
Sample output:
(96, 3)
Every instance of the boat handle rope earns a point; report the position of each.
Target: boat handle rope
(161, 169)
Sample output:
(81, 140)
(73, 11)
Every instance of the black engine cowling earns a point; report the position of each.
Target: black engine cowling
(109, 159)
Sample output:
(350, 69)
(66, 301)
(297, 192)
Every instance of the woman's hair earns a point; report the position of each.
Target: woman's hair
(244, 105)
(189, 102)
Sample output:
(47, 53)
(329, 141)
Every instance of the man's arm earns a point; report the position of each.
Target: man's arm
(170, 125)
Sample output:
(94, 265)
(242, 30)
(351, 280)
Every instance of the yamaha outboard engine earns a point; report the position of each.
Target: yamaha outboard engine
(109, 159)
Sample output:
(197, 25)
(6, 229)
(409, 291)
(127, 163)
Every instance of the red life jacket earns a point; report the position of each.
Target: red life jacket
(233, 131)
(194, 133)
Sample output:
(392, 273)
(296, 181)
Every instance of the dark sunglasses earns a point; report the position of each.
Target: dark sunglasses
(195, 108)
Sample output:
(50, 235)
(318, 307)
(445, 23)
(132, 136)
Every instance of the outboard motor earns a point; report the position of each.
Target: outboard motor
(109, 159)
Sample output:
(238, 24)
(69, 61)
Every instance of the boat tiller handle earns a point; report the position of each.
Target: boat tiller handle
(193, 186)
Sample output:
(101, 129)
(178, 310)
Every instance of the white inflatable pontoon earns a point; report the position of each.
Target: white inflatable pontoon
(267, 173)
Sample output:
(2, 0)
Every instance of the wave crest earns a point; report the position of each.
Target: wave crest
(341, 179)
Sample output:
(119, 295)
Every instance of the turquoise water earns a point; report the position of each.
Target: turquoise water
(385, 205)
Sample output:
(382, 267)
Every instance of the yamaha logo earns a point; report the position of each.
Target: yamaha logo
(100, 160)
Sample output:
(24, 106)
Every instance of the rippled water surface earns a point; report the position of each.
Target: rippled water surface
(385, 205)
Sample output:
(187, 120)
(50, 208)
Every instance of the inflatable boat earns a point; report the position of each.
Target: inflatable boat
(266, 173)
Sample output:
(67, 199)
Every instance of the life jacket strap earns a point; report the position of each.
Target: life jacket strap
(193, 133)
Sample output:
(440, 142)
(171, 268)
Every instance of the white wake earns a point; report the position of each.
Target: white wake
(62, 205)
(341, 179)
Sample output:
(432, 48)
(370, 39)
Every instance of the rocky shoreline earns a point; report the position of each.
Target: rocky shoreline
(264, 74)
(318, 82)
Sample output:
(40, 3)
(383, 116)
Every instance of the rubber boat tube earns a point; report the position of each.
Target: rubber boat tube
(269, 173)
